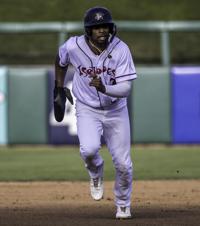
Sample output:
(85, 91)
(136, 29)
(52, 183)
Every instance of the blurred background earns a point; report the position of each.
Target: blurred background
(40, 47)
(164, 38)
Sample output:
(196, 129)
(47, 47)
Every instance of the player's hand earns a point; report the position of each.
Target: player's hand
(97, 83)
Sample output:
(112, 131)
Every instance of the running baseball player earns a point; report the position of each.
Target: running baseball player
(104, 71)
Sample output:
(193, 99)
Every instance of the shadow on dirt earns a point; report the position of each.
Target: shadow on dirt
(96, 216)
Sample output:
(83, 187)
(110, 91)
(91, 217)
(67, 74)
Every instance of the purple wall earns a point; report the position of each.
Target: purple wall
(186, 104)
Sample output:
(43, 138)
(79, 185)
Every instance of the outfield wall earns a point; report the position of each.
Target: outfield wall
(151, 106)
(27, 106)
(164, 106)
(3, 106)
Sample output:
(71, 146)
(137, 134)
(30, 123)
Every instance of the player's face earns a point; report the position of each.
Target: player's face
(100, 34)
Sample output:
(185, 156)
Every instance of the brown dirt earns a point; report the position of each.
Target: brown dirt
(69, 204)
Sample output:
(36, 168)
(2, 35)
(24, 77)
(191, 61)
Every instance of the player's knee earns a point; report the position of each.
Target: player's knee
(124, 167)
(90, 150)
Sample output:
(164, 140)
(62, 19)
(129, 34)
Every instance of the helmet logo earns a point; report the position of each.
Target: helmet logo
(98, 16)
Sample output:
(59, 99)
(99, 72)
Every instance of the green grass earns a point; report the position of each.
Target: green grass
(64, 163)
(167, 163)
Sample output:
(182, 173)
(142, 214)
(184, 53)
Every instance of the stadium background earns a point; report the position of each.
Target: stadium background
(171, 115)
(164, 110)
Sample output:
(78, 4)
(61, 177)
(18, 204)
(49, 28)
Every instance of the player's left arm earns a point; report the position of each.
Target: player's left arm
(125, 73)
(121, 89)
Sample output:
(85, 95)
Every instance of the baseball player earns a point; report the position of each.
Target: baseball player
(104, 70)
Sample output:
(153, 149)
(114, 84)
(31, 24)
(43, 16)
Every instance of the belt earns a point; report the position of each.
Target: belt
(106, 107)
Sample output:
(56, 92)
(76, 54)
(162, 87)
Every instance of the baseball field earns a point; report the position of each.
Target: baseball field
(44, 185)
(48, 185)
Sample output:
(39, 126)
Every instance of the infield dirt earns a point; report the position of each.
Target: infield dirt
(69, 204)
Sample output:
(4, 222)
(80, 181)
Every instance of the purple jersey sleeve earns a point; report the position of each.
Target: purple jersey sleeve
(126, 69)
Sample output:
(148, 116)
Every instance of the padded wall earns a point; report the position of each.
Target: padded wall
(3, 106)
(28, 106)
(151, 105)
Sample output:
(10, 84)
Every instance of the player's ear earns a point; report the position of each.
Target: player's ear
(88, 31)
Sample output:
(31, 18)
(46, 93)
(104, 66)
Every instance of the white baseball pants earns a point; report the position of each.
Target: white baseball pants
(115, 127)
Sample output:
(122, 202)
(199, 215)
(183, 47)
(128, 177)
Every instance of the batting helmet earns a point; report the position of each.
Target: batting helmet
(97, 16)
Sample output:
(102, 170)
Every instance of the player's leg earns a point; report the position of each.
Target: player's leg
(117, 136)
(89, 128)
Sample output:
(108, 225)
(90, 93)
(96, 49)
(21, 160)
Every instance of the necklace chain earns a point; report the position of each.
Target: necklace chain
(93, 45)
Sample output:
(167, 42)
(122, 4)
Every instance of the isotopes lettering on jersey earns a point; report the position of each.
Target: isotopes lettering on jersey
(86, 71)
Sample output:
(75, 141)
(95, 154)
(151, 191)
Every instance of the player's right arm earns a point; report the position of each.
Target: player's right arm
(61, 63)
(60, 72)
(60, 92)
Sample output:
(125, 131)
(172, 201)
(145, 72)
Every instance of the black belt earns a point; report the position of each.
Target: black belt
(106, 107)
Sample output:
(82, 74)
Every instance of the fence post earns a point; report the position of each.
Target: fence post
(62, 37)
(165, 48)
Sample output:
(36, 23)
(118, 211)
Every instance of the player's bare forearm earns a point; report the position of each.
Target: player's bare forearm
(60, 92)
(59, 72)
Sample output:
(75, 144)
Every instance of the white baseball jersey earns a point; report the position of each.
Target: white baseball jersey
(113, 65)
